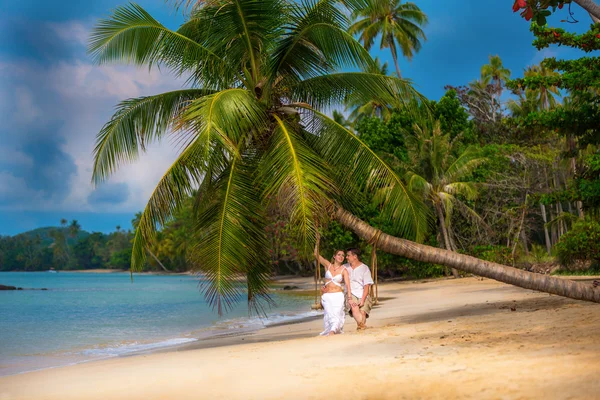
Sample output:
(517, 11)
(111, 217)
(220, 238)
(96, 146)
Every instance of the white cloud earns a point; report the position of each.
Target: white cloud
(26, 110)
(71, 31)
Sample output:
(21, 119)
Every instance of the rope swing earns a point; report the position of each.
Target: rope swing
(374, 289)
(317, 305)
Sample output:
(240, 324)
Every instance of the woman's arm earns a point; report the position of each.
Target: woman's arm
(322, 260)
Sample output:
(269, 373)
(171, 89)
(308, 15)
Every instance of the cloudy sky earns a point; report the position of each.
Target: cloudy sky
(54, 100)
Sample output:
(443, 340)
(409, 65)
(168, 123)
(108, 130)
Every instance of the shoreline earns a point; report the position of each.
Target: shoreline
(440, 339)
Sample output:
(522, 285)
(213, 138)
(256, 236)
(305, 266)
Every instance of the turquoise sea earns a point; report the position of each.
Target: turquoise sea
(89, 316)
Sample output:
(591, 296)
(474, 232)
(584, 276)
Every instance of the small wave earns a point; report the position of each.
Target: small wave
(135, 347)
(255, 323)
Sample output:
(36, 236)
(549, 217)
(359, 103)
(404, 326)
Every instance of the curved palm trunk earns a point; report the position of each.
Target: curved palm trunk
(502, 273)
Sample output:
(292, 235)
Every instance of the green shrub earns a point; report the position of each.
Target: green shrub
(497, 254)
(581, 243)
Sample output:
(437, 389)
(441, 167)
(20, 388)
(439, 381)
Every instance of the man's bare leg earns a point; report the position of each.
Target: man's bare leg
(358, 316)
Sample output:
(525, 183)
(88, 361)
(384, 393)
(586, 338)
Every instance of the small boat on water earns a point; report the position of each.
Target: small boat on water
(53, 271)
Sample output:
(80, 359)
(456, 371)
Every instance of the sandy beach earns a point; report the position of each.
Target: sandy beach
(444, 339)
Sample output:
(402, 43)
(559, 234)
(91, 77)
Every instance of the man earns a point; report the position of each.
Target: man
(360, 282)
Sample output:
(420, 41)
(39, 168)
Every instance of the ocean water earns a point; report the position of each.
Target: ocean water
(89, 316)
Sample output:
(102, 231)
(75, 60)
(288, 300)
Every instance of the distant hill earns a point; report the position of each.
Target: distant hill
(44, 234)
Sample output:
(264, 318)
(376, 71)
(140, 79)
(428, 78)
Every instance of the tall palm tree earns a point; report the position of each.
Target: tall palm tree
(249, 127)
(544, 94)
(399, 24)
(251, 132)
(495, 74)
(74, 228)
(439, 176)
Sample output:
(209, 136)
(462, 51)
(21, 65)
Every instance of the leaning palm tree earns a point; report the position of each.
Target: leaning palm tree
(249, 127)
(399, 24)
(251, 133)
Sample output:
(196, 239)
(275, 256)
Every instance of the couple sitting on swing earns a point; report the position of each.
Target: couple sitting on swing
(355, 278)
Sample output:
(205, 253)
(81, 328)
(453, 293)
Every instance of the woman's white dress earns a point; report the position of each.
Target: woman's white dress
(333, 306)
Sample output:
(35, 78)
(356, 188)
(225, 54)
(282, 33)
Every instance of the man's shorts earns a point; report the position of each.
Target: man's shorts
(366, 308)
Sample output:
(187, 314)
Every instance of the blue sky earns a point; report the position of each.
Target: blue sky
(54, 100)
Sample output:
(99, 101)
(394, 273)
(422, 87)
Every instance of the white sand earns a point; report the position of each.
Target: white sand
(441, 340)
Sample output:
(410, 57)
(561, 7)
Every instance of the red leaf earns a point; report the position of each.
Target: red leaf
(518, 5)
(527, 13)
(556, 35)
(598, 36)
(560, 6)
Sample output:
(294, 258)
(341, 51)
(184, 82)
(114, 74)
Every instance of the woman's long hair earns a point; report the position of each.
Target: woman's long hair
(334, 253)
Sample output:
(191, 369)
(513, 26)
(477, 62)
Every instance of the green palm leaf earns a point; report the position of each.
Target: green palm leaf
(132, 35)
(294, 175)
(219, 122)
(233, 243)
(317, 42)
(137, 123)
(355, 163)
(355, 87)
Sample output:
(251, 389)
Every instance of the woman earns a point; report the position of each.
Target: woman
(336, 276)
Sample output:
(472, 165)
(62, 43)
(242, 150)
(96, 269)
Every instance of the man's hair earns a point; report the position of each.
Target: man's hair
(354, 251)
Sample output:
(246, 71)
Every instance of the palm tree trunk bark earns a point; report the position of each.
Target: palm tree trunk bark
(445, 235)
(395, 57)
(514, 250)
(546, 234)
(502, 273)
(157, 260)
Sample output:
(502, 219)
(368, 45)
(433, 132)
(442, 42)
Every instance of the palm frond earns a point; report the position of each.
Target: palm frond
(465, 164)
(355, 163)
(356, 87)
(294, 175)
(242, 30)
(418, 184)
(468, 190)
(132, 35)
(233, 240)
(137, 123)
(317, 42)
(220, 123)
(230, 115)
(176, 185)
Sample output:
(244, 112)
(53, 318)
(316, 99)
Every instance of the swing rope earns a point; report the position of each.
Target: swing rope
(317, 305)
(374, 289)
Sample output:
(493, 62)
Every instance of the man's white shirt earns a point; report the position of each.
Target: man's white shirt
(359, 278)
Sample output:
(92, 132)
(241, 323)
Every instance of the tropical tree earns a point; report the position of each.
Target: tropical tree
(495, 73)
(439, 176)
(250, 128)
(544, 93)
(399, 24)
(74, 228)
